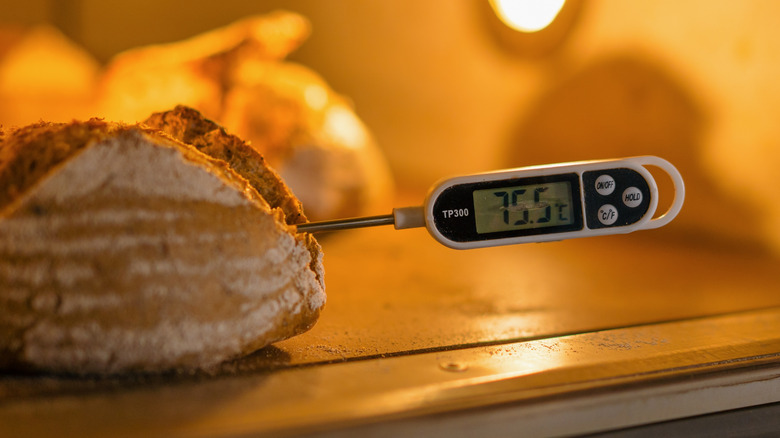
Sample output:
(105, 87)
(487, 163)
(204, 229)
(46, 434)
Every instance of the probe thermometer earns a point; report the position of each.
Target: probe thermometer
(535, 204)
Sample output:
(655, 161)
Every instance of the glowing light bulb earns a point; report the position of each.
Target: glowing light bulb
(527, 15)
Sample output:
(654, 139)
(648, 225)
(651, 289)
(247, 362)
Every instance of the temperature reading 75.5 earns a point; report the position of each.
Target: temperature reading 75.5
(523, 207)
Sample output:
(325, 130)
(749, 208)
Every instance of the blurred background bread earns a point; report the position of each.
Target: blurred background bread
(234, 74)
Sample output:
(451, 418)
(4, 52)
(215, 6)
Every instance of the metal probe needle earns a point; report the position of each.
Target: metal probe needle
(346, 224)
(401, 218)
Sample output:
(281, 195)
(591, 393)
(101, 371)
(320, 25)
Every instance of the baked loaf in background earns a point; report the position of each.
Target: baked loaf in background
(30, 91)
(237, 75)
(123, 248)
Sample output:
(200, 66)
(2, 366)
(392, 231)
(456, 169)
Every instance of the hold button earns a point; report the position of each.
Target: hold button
(632, 197)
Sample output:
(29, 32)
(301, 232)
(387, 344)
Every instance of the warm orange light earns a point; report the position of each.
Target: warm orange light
(342, 126)
(527, 15)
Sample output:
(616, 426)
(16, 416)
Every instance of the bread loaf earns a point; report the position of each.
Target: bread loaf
(237, 75)
(29, 91)
(123, 248)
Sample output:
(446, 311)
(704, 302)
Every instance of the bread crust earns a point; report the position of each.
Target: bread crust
(123, 249)
(191, 127)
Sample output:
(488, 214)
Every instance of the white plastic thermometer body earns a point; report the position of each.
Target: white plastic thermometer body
(535, 204)
(545, 203)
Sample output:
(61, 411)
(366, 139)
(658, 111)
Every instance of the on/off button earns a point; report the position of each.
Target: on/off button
(605, 185)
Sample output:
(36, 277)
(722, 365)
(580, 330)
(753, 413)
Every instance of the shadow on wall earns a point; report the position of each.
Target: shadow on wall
(625, 106)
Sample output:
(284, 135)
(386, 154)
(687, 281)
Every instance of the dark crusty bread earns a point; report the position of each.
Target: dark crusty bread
(29, 152)
(189, 126)
(123, 249)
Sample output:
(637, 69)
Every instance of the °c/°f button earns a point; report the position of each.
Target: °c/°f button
(608, 214)
(605, 185)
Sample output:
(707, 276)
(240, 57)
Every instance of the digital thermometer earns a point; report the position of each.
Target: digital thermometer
(535, 204)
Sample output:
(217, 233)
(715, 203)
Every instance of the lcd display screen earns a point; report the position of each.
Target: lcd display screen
(523, 207)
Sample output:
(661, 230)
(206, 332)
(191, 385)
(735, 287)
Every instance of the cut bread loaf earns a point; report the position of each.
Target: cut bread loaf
(123, 248)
